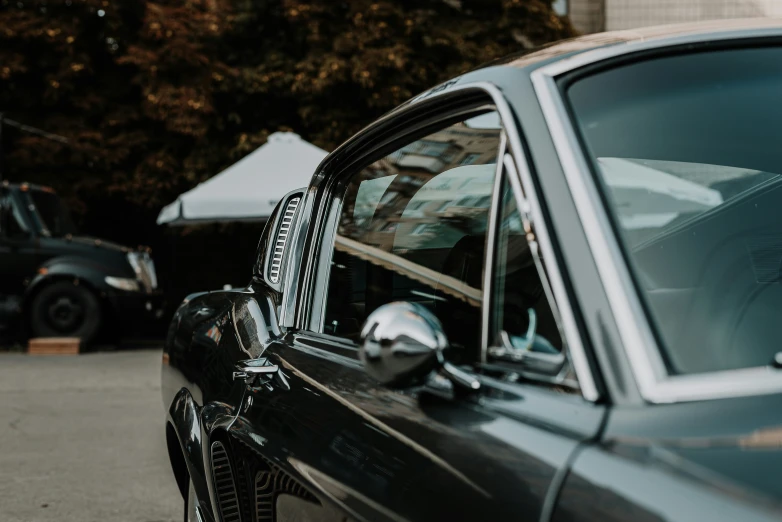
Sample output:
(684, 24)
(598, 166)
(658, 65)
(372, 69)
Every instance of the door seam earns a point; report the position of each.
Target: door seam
(558, 481)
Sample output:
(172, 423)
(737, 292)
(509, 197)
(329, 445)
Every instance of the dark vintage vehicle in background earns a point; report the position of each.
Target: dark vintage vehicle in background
(548, 289)
(56, 283)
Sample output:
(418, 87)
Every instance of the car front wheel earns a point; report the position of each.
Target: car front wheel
(65, 309)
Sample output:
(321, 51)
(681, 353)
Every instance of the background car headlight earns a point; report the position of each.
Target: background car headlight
(144, 268)
(123, 283)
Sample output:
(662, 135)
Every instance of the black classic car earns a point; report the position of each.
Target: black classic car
(57, 283)
(549, 289)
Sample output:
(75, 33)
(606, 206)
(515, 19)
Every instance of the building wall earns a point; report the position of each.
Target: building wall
(628, 14)
(589, 16)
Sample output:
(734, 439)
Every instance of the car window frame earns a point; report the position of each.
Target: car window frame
(655, 384)
(334, 205)
(506, 173)
(384, 137)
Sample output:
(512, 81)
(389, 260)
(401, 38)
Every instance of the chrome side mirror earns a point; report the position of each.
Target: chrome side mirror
(402, 343)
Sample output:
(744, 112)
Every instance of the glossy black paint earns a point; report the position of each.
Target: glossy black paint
(376, 454)
(30, 261)
(512, 451)
(718, 460)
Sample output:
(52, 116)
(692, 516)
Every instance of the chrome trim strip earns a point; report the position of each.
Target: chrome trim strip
(531, 203)
(315, 316)
(293, 267)
(654, 383)
(491, 246)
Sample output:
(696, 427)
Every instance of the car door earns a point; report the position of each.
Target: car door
(421, 222)
(18, 248)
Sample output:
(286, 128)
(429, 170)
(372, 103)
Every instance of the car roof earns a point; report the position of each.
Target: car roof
(660, 33)
(532, 59)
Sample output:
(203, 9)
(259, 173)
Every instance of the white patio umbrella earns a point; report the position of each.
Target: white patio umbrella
(249, 189)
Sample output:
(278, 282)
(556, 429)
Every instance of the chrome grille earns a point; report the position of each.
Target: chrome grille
(275, 266)
(224, 483)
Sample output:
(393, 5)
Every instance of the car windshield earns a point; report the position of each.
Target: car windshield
(52, 216)
(687, 151)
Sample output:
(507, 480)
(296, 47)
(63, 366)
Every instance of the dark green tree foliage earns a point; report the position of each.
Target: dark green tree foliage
(157, 96)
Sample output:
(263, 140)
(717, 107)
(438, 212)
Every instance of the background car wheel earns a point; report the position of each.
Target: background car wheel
(64, 309)
(191, 505)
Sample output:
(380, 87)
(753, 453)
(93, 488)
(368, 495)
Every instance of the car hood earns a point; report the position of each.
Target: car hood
(96, 243)
(99, 254)
(748, 464)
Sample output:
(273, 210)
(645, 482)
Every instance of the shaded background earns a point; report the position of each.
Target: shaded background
(155, 97)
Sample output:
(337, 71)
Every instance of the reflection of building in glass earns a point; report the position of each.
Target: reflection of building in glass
(437, 187)
(412, 228)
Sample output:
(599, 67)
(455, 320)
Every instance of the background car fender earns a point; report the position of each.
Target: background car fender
(70, 268)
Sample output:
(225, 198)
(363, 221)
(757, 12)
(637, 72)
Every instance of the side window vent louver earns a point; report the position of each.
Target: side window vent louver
(281, 238)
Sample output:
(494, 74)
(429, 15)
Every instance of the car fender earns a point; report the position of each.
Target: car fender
(193, 421)
(184, 425)
(78, 270)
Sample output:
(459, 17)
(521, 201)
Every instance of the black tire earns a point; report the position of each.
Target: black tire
(65, 309)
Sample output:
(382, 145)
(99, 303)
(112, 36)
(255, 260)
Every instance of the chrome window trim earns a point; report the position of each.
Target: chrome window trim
(654, 382)
(529, 203)
(567, 321)
(491, 244)
(293, 268)
(326, 257)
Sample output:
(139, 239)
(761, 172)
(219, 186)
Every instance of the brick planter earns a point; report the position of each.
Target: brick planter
(54, 346)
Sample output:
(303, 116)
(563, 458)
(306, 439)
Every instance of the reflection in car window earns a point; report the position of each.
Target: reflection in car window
(687, 152)
(412, 227)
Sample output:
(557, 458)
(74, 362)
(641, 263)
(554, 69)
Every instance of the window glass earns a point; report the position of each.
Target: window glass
(13, 221)
(50, 212)
(686, 150)
(519, 297)
(412, 227)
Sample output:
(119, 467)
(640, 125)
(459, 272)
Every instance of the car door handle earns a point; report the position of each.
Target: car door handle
(249, 370)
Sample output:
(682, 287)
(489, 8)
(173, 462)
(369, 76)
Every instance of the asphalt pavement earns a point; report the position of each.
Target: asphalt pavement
(82, 439)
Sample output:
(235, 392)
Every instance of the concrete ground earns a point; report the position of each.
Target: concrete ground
(82, 439)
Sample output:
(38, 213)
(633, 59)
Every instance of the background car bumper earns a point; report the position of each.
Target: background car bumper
(140, 313)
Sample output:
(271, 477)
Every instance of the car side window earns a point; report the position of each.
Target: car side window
(412, 227)
(11, 221)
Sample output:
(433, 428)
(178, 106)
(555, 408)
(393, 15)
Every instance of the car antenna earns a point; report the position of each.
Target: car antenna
(24, 128)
